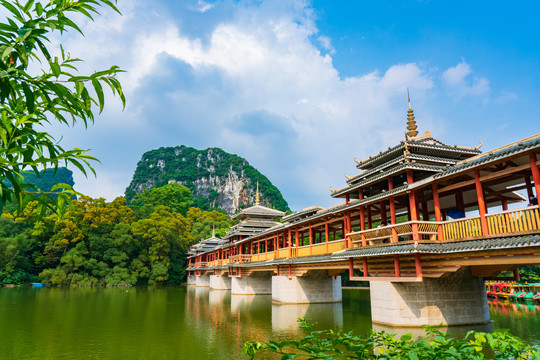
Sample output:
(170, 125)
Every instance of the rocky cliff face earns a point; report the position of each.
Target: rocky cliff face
(216, 178)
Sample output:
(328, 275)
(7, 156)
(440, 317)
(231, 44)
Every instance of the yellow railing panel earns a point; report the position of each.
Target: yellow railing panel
(283, 253)
(303, 251)
(337, 245)
(318, 249)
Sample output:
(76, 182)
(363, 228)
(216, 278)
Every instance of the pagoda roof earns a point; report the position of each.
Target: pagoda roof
(258, 211)
(427, 143)
(385, 174)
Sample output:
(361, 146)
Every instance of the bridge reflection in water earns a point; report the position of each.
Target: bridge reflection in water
(223, 317)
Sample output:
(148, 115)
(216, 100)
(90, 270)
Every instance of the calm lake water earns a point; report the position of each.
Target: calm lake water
(179, 323)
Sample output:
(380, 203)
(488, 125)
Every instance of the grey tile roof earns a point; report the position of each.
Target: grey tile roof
(397, 169)
(445, 247)
(420, 143)
(520, 147)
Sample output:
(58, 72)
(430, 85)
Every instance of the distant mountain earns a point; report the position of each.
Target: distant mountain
(48, 178)
(217, 179)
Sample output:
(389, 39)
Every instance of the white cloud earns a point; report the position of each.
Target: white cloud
(459, 83)
(254, 84)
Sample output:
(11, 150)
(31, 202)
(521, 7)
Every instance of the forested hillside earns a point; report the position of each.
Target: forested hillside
(98, 243)
(217, 179)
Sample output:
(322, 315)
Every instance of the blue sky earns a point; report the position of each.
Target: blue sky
(300, 88)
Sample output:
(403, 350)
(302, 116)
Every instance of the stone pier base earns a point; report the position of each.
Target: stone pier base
(457, 299)
(191, 279)
(314, 287)
(258, 283)
(220, 282)
(202, 281)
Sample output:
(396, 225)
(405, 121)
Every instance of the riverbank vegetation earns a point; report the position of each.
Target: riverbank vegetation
(336, 344)
(93, 242)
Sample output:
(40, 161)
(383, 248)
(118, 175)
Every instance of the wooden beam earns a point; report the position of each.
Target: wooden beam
(386, 278)
(487, 177)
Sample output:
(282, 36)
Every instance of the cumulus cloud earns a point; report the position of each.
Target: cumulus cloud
(253, 82)
(461, 82)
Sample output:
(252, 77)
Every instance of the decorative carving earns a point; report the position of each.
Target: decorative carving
(348, 177)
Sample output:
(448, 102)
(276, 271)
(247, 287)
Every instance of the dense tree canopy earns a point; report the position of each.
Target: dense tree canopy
(95, 242)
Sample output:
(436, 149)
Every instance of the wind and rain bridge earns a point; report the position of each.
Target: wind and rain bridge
(424, 222)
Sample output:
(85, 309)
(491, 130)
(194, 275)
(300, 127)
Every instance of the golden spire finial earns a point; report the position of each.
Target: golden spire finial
(411, 124)
(257, 200)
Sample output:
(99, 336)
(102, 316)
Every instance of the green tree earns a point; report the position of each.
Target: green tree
(176, 197)
(54, 93)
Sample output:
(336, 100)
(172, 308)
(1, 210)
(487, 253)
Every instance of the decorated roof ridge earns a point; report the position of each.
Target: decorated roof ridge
(384, 174)
(375, 169)
(300, 213)
(418, 142)
(258, 210)
(502, 148)
(410, 156)
(517, 147)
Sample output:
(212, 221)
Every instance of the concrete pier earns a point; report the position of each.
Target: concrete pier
(314, 287)
(258, 283)
(220, 282)
(285, 316)
(191, 279)
(457, 299)
(202, 281)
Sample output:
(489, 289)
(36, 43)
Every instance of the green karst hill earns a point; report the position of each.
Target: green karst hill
(217, 179)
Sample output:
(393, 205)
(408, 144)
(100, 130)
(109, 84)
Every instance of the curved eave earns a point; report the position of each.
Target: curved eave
(395, 170)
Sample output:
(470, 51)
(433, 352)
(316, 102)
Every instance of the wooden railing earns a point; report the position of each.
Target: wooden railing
(511, 222)
(403, 230)
(239, 258)
(462, 228)
(514, 221)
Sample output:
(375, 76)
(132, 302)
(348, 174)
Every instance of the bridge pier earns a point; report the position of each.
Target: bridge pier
(456, 299)
(258, 283)
(314, 287)
(220, 282)
(191, 279)
(202, 281)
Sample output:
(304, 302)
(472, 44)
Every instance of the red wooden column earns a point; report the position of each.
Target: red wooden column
(481, 203)
(326, 234)
(535, 173)
(365, 267)
(344, 230)
(310, 239)
(297, 239)
(418, 265)
(412, 205)
(392, 210)
(266, 244)
(369, 220)
(397, 267)
(290, 243)
(362, 217)
(504, 204)
(351, 268)
(382, 205)
(348, 230)
(437, 206)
